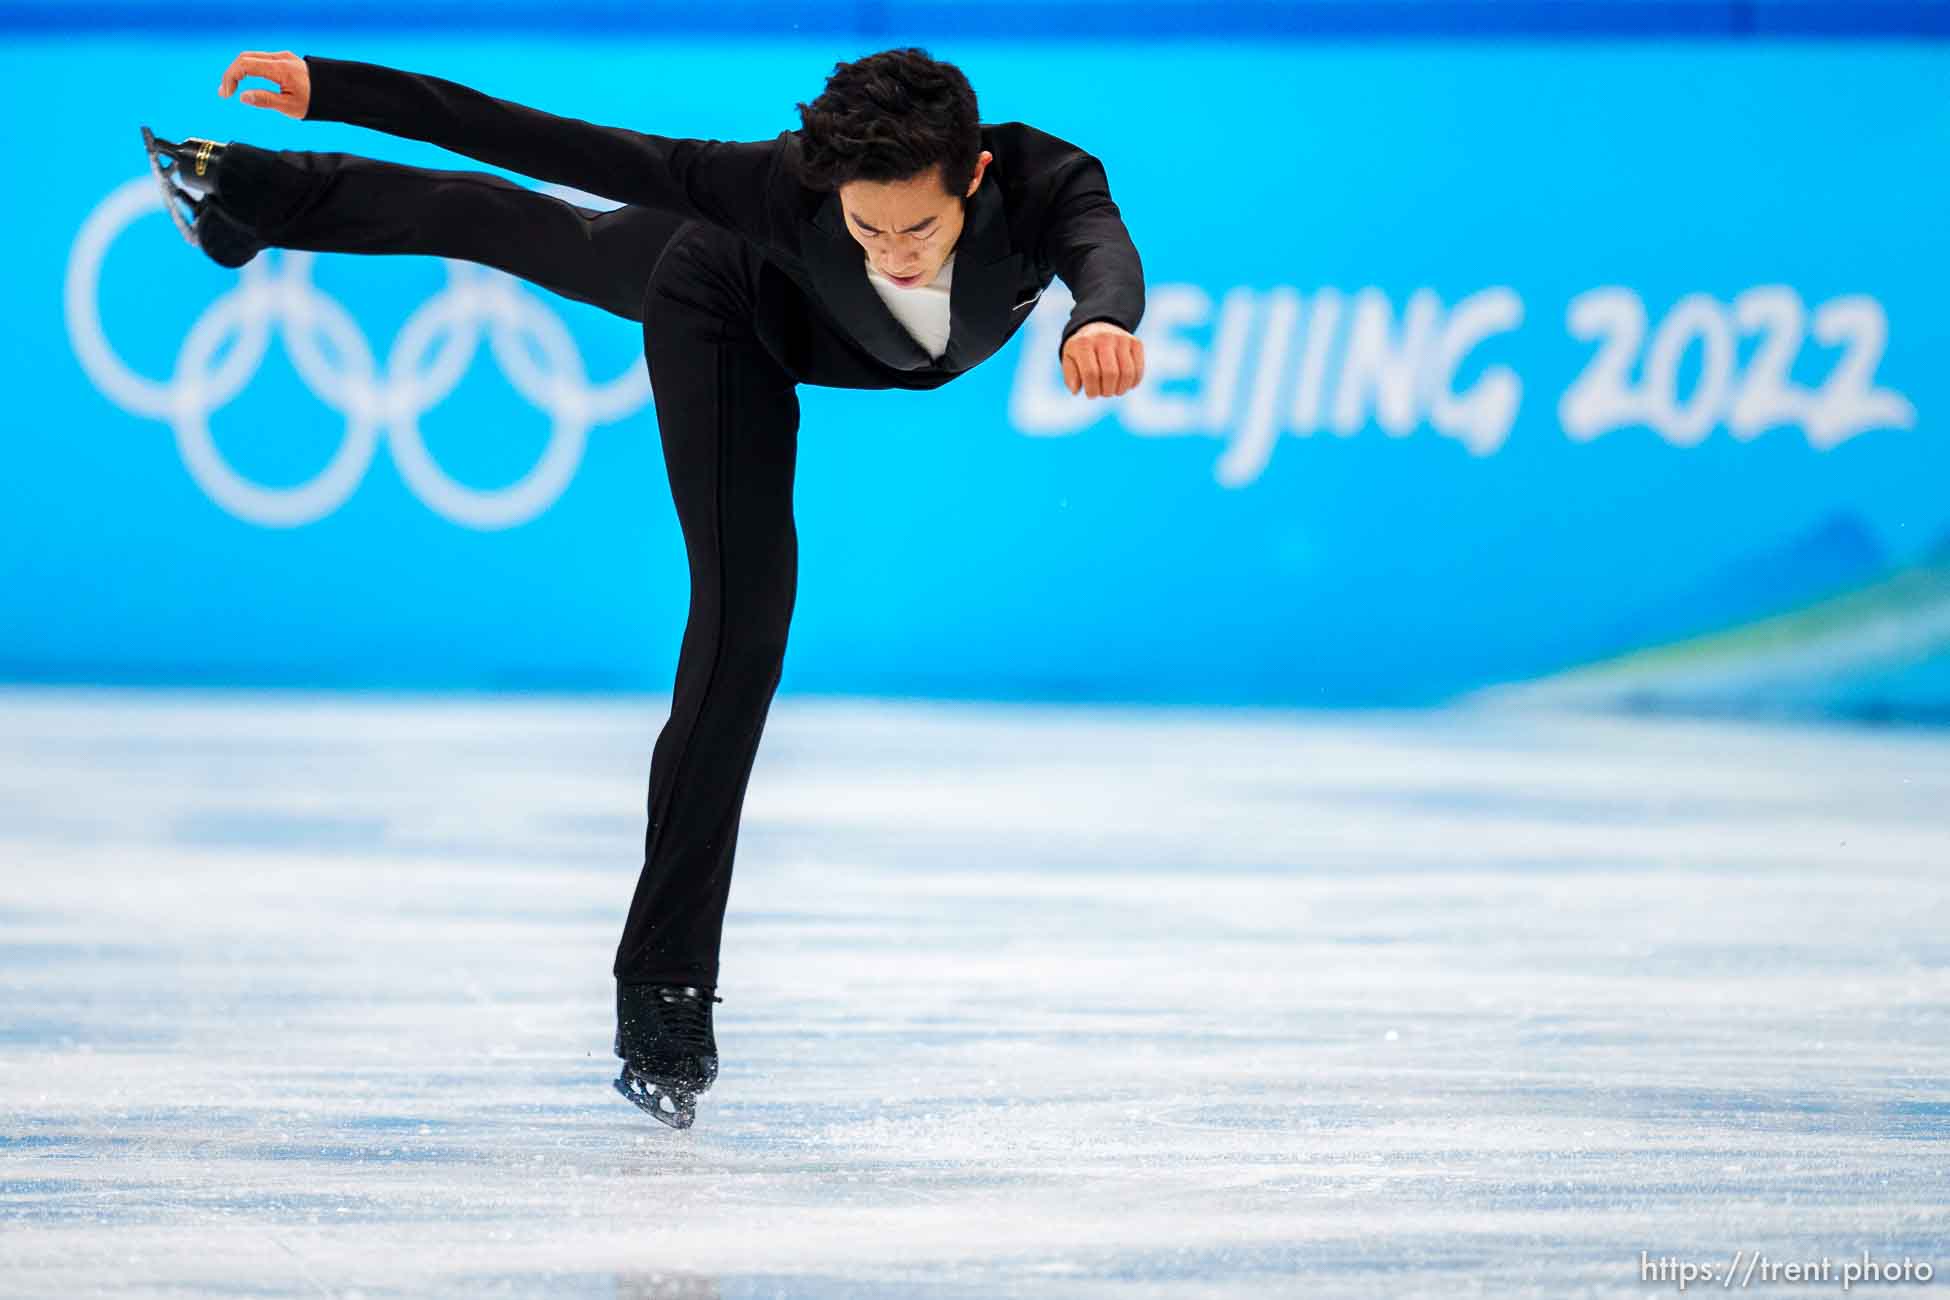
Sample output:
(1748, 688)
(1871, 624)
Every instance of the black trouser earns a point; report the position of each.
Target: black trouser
(728, 338)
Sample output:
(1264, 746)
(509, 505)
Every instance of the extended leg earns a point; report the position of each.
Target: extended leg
(728, 415)
(345, 203)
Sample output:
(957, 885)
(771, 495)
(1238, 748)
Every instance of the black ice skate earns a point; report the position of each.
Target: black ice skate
(189, 174)
(668, 1049)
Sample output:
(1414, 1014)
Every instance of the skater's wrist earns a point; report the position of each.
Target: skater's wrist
(322, 73)
(346, 90)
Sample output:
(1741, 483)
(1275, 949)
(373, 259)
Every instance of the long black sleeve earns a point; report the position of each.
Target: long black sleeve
(1092, 251)
(723, 182)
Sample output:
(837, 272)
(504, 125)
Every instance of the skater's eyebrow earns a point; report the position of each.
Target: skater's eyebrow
(910, 230)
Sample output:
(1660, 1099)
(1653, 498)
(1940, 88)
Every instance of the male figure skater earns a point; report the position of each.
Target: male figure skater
(892, 241)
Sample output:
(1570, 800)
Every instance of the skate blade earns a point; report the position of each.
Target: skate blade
(173, 199)
(677, 1109)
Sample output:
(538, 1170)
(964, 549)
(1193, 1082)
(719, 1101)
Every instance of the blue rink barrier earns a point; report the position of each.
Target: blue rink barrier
(1467, 364)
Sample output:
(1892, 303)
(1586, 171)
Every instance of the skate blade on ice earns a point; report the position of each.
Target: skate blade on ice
(671, 1106)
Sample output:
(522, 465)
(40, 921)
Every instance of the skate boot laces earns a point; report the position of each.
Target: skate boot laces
(685, 1020)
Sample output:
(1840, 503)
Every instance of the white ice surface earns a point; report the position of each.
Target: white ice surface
(308, 995)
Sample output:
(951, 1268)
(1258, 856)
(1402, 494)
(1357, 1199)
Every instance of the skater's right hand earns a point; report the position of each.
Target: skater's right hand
(293, 79)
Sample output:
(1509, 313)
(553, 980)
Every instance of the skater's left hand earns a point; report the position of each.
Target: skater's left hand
(1103, 360)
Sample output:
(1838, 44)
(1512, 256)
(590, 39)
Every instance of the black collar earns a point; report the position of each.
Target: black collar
(978, 300)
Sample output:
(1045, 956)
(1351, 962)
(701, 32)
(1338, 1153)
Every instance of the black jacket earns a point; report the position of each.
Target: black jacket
(1043, 208)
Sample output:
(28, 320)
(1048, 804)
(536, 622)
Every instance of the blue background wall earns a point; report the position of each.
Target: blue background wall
(1089, 19)
(1196, 541)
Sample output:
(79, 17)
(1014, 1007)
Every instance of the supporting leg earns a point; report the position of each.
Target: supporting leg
(728, 414)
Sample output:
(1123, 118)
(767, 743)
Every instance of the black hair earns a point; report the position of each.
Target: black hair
(889, 116)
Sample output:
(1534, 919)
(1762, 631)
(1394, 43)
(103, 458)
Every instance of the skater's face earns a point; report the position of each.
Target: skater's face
(909, 226)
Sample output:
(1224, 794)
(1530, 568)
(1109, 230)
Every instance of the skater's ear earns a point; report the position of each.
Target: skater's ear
(981, 165)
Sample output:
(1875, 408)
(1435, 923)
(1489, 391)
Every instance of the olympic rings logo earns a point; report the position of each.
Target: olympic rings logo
(432, 352)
